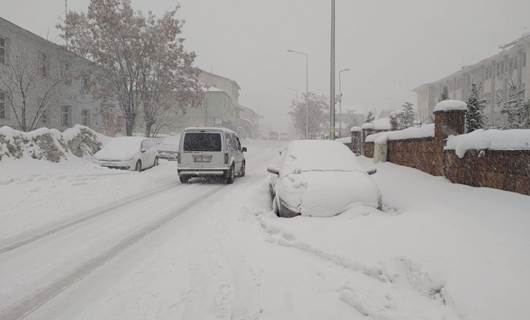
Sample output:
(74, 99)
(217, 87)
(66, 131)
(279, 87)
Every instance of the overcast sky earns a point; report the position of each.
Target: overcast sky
(392, 46)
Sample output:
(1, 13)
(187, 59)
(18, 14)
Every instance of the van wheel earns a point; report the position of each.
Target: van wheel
(243, 169)
(138, 166)
(230, 175)
(184, 179)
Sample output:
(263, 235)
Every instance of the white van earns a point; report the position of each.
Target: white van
(210, 152)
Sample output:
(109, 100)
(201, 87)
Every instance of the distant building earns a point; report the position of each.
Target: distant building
(70, 102)
(220, 107)
(248, 122)
(500, 77)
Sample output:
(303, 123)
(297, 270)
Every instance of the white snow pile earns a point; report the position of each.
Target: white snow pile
(379, 124)
(426, 131)
(451, 105)
(344, 140)
(515, 139)
(49, 144)
(356, 129)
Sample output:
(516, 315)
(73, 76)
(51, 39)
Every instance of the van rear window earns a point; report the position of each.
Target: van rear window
(210, 142)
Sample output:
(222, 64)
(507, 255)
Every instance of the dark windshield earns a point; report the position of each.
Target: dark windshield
(202, 142)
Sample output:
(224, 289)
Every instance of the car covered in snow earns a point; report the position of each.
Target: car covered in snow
(211, 152)
(130, 153)
(168, 148)
(320, 178)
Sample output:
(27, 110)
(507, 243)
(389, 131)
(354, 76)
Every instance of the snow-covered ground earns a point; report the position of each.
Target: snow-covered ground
(81, 242)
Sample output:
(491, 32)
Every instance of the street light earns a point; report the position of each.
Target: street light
(306, 88)
(332, 76)
(340, 101)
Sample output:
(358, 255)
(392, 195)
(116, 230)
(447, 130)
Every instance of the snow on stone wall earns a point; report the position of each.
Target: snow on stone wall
(426, 131)
(49, 144)
(517, 139)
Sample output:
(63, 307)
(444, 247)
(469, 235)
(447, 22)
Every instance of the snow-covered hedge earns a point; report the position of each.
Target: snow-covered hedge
(426, 131)
(49, 144)
(516, 139)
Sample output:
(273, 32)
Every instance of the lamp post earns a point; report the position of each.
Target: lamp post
(306, 89)
(340, 101)
(332, 76)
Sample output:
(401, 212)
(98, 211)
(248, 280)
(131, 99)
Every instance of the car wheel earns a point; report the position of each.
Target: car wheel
(138, 166)
(230, 175)
(243, 169)
(184, 179)
(157, 162)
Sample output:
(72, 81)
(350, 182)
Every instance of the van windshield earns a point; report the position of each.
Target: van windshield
(200, 141)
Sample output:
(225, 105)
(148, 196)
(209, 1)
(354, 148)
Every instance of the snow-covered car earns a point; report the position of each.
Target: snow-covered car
(168, 148)
(130, 153)
(320, 178)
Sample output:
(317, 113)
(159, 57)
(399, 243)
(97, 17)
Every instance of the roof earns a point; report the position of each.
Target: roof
(217, 129)
(225, 78)
(466, 68)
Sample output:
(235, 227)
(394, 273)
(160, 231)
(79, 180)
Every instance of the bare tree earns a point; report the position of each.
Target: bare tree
(143, 57)
(30, 88)
(169, 82)
(318, 114)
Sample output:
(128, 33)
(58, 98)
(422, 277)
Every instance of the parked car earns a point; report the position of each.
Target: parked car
(168, 148)
(210, 152)
(320, 178)
(130, 153)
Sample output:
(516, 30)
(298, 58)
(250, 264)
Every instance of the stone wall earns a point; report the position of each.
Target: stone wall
(506, 170)
(422, 154)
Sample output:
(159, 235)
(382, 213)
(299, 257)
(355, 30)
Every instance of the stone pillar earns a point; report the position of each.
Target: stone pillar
(449, 123)
(449, 120)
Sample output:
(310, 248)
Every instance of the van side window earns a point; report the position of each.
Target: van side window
(238, 143)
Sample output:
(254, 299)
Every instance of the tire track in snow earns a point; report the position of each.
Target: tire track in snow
(28, 237)
(33, 302)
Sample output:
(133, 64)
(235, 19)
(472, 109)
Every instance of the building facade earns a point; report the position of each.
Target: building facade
(501, 78)
(219, 108)
(58, 95)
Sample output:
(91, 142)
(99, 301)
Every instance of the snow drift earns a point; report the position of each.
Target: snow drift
(50, 144)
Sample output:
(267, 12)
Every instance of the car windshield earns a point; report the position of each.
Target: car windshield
(202, 141)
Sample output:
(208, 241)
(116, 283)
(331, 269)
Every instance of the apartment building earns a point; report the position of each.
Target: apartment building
(501, 77)
(57, 94)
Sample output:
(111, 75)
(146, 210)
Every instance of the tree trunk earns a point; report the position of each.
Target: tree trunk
(130, 121)
(148, 128)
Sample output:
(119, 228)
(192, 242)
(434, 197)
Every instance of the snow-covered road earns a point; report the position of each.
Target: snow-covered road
(102, 244)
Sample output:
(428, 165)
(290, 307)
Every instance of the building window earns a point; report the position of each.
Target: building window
(85, 118)
(3, 50)
(2, 105)
(44, 117)
(67, 74)
(44, 65)
(66, 116)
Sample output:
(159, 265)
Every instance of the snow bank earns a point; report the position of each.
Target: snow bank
(451, 105)
(426, 131)
(344, 140)
(516, 139)
(49, 144)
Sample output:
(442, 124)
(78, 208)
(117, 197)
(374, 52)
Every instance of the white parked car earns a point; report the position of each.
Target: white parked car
(168, 148)
(320, 178)
(130, 153)
(210, 152)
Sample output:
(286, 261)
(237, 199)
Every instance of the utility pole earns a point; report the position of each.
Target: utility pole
(65, 17)
(341, 95)
(306, 89)
(332, 93)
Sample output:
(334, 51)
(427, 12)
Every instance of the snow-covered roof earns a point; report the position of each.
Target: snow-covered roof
(425, 131)
(356, 129)
(516, 139)
(378, 124)
(218, 129)
(451, 105)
